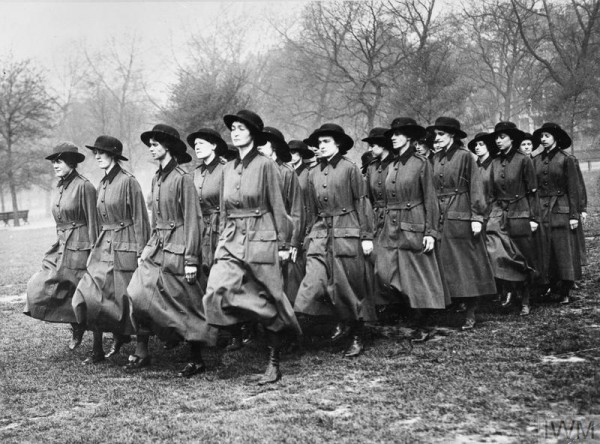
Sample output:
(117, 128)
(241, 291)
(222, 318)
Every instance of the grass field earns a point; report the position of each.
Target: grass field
(509, 380)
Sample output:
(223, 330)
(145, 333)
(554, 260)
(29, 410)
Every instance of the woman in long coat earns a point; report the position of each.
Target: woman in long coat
(100, 300)
(50, 291)
(462, 202)
(514, 215)
(165, 291)
(209, 147)
(245, 283)
(338, 280)
(558, 190)
(406, 264)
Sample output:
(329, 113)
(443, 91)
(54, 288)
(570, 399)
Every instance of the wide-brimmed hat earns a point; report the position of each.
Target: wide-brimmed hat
(563, 140)
(252, 121)
(161, 133)
(302, 148)
(335, 131)
(406, 126)
(377, 136)
(110, 145)
(211, 136)
(534, 140)
(508, 128)
(278, 142)
(448, 125)
(66, 151)
(484, 137)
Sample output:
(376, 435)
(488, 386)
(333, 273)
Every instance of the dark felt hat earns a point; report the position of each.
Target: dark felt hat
(563, 140)
(485, 137)
(252, 121)
(162, 133)
(534, 140)
(66, 151)
(448, 125)
(508, 128)
(365, 159)
(377, 136)
(210, 135)
(406, 126)
(109, 144)
(302, 148)
(335, 131)
(278, 142)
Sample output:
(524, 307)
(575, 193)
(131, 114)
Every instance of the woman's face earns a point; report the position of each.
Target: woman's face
(296, 158)
(315, 150)
(203, 148)
(399, 140)
(481, 148)
(527, 147)
(103, 159)
(443, 139)
(266, 150)
(157, 151)
(547, 140)
(240, 135)
(328, 146)
(61, 169)
(422, 149)
(377, 150)
(503, 142)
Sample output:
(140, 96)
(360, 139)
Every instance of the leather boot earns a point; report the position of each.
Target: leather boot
(77, 335)
(356, 346)
(118, 342)
(340, 331)
(248, 333)
(272, 373)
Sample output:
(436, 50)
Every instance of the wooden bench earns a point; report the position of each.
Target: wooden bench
(7, 216)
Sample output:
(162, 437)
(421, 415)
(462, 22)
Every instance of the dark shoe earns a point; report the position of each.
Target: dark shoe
(506, 302)
(136, 362)
(420, 335)
(340, 331)
(565, 300)
(191, 369)
(272, 373)
(248, 333)
(468, 325)
(235, 343)
(356, 347)
(525, 310)
(462, 307)
(77, 336)
(94, 358)
(116, 346)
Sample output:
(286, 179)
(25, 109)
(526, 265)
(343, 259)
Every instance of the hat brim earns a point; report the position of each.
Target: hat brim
(77, 157)
(305, 153)
(117, 156)
(282, 149)
(486, 139)
(179, 148)
(344, 140)
(382, 141)
(563, 140)
(257, 134)
(448, 129)
(221, 145)
(515, 134)
(412, 131)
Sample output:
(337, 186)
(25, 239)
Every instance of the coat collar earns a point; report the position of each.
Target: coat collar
(550, 154)
(211, 166)
(164, 172)
(508, 156)
(383, 164)
(246, 161)
(65, 181)
(333, 162)
(301, 168)
(486, 163)
(111, 174)
(410, 151)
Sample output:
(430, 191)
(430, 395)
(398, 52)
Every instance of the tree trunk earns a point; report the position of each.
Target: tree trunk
(2, 199)
(11, 185)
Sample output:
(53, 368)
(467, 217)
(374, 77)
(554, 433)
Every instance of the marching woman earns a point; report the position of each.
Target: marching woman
(338, 278)
(528, 144)
(209, 147)
(514, 216)
(245, 282)
(558, 186)
(50, 291)
(462, 202)
(406, 264)
(100, 300)
(165, 291)
(484, 148)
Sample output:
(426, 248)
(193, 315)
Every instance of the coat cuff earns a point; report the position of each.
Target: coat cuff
(477, 218)
(191, 260)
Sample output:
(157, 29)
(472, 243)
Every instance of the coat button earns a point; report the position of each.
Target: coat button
(394, 221)
(456, 190)
(57, 205)
(324, 185)
(157, 199)
(408, 205)
(545, 183)
(73, 223)
(393, 194)
(379, 183)
(172, 224)
(257, 211)
(199, 188)
(325, 198)
(122, 224)
(344, 210)
(108, 241)
(516, 196)
(502, 175)
(325, 173)
(393, 181)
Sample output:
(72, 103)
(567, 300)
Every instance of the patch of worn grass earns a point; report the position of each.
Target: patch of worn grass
(488, 384)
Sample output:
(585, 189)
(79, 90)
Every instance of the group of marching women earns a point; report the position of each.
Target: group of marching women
(282, 234)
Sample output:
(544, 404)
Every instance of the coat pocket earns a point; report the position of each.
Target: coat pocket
(76, 255)
(411, 236)
(173, 260)
(346, 242)
(125, 256)
(458, 229)
(519, 227)
(262, 247)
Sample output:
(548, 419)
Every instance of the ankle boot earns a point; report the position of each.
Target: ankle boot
(272, 373)
(118, 342)
(356, 345)
(77, 335)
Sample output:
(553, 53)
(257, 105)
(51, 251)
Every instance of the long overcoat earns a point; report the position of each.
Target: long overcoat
(559, 202)
(411, 212)
(464, 262)
(245, 282)
(339, 280)
(162, 301)
(101, 299)
(579, 233)
(514, 204)
(50, 291)
(377, 172)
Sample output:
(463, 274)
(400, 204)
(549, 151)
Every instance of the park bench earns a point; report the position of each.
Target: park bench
(7, 216)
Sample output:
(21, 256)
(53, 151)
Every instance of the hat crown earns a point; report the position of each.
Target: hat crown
(400, 122)
(251, 117)
(450, 122)
(551, 125)
(109, 143)
(209, 131)
(503, 126)
(65, 147)
(274, 132)
(332, 127)
(297, 145)
(162, 128)
(377, 132)
(480, 135)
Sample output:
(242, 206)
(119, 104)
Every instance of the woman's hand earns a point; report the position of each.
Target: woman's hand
(533, 225)
(284, 255)
(367, 247)
(190, 273)
(428, 244)
(476, 227)
(293, 254)
(140, 260)
(574, 223)
(583, 216)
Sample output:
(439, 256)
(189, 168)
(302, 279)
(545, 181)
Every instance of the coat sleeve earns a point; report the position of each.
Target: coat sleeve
(297, 213)
(189, 208)
(430, 201)
(89, 209)
(530, 179)
(476, 190)
(581, 189)
(362, 204)
(139, 214)
(311, 203)
(274, 194)
(572, 187)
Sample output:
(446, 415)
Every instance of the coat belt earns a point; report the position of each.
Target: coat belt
(168, 224)
(116, 226)
(241, 213)
(71, 225)
(334, 213)
(456, 192)
(407, 205)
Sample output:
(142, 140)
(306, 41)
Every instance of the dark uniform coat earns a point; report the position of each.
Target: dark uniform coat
(50, 291)
(245, 283)
(377, 171)
(163, 302)
(338, 279)
(207, 179)
(411, 212)
(559, 202)
(579, 233)
(464, 262)
(485, 171)
(101, 297)
(514, 205)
